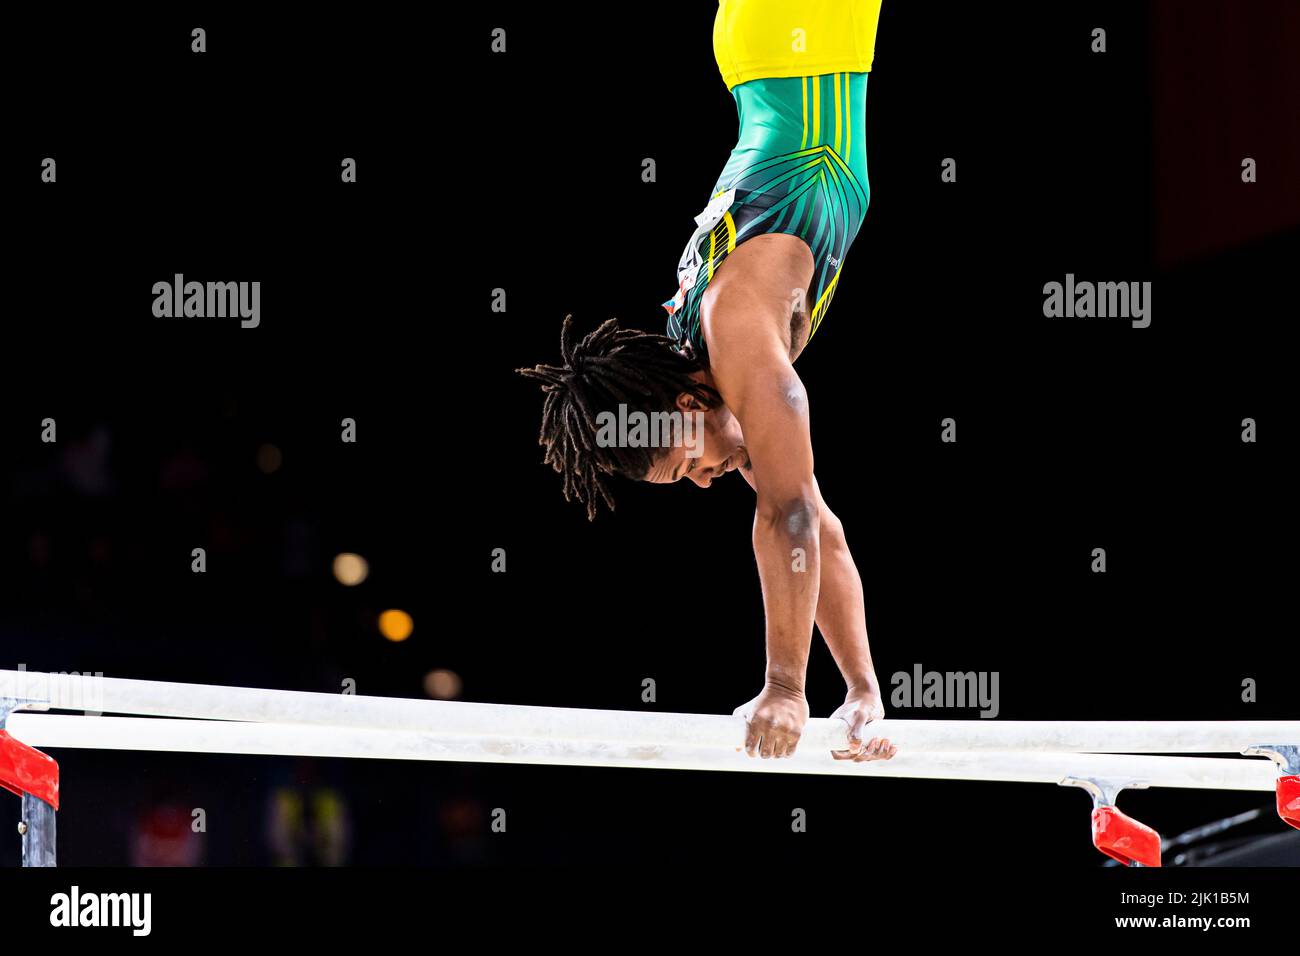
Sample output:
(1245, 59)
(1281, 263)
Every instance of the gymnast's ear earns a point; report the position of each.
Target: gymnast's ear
(688, 402)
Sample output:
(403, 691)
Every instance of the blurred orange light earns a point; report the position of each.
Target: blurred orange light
(350, 569)
(396, 625)
(442, 684)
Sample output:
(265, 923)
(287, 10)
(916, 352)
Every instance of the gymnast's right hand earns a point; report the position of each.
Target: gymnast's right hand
(773, 721)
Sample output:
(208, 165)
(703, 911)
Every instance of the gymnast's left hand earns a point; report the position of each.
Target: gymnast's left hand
(861, 708)
(773, 721)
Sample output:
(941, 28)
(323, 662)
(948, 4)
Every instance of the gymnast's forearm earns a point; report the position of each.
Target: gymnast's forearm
(841, 610)
(789, 593)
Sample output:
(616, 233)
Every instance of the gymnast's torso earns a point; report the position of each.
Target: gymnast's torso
(797, 70)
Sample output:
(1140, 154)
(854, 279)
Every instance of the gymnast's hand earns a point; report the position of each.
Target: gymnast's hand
(774, 720)
(858, 710)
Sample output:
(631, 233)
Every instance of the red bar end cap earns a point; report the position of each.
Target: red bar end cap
(24, 769)
(1124, 839)
(1288, 799)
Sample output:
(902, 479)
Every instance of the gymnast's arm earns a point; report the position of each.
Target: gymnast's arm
(760, 387)
(842, 619)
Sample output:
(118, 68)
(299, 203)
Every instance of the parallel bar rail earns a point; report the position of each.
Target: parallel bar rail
(108, 695)
(210, 736)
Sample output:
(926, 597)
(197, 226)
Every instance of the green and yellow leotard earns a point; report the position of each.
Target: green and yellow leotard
(797, 70)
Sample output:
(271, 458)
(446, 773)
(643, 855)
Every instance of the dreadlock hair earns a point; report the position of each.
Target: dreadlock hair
(609, 367)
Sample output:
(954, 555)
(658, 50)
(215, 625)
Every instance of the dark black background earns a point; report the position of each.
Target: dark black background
(522, 172)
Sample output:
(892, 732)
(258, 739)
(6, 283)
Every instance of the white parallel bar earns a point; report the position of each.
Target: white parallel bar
(205, 736)
(111, 695)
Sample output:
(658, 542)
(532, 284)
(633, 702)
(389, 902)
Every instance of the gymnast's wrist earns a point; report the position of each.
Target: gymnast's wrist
(784, 681)
(861, 684)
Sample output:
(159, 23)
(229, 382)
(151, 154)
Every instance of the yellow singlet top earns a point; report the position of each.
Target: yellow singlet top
(757, 39)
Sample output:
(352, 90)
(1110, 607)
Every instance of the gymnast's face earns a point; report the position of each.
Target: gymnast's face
(709, 451)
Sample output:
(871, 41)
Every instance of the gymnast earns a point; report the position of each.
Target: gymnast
(754, 284)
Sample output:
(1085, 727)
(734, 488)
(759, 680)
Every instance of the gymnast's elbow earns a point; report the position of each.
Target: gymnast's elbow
(792, 521)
